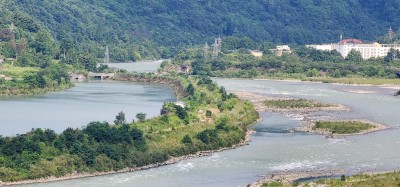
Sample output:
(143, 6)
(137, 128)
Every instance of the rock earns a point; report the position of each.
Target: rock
(397, 93)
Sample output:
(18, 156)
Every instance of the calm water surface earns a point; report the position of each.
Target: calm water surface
(273, 148)
(75, 107)
(141, 66)
(86, 102)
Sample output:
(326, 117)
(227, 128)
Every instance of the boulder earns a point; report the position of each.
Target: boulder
(397, 93)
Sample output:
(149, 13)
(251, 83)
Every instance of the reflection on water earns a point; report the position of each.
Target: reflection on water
(273, 148)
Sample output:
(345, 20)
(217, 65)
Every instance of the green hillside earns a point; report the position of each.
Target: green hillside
(150, 28)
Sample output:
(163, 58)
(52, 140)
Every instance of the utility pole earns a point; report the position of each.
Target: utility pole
(107, 56)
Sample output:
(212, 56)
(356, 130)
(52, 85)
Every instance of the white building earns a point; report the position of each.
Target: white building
(367, 51)
(323, 47)
(281, 49)
(256, 53)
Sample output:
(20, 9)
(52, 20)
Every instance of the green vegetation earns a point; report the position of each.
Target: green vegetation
(33, 80)
(101, 146)
(303, 64)
(294, 103)
(385, 179)
(273, 184)
(343, 127)
(153, 29)
(360, 180)
(350, 80)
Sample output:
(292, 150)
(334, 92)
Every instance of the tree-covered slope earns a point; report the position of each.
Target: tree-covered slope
(142, 27)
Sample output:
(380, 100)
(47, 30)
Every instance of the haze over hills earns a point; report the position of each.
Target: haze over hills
(151, 28)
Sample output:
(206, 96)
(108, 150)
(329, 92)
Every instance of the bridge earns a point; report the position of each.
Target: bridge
(100, 75)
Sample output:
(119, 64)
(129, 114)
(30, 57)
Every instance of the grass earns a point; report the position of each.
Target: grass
(16, 72)
(294, 103)
(273, 184)
(385, 179)
(343, 127)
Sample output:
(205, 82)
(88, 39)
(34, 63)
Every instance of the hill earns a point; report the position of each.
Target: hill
(152, 29)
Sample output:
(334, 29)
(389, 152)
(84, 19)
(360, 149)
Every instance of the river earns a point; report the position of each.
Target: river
(93, 100)
(273, 148)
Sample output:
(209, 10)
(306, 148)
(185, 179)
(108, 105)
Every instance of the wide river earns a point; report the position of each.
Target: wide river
(273, 147)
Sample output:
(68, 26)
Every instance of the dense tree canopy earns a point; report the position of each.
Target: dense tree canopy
(150, 28)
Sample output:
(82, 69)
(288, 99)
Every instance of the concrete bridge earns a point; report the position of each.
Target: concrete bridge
(100, 75)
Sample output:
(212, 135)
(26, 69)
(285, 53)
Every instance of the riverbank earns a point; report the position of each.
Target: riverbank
(18, 91)
(173, 160)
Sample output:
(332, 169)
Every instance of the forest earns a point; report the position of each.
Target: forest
(152, 29)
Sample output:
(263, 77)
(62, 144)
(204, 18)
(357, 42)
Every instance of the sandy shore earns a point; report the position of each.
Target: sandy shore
(309, 127)
(172, 160)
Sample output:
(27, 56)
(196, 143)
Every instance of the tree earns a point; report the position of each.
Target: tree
(120, 118)
(181, 112)
(190, 89)
(44, 43)
(187, 140)
(312, 73)
(208, 113)
(354, 56)
(392, 53)
(141, 116)
(343, 178)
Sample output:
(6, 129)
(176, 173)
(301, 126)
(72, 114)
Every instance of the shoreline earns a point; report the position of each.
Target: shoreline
(172, 160)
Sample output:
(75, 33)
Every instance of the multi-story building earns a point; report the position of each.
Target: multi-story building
(367, 51)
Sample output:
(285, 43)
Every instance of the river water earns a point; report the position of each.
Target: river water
(273, 148)
(141, 66)
(94, 100)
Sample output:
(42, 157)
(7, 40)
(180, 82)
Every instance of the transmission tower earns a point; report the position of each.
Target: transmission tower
(107, 56)
(391, 33)
(206, 48)
(217, 47)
